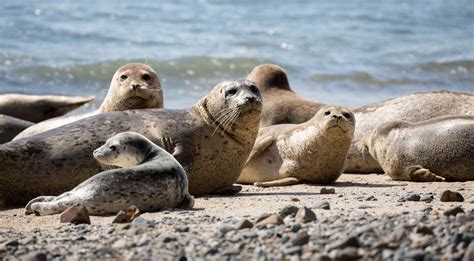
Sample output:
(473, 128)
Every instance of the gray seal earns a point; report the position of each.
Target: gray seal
(10, 127)
(282, 104)
(149, 178)
(313, 151)
(36, 108)
(211, 140)
(433, 150)
(133, 86)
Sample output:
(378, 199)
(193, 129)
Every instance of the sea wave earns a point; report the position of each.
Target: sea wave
(363, 79)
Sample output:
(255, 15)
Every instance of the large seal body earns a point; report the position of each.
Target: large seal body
(36, 108)
(211, 140)
(433, 150)
(10, 127)
(313, 151)
(133, 86)
(150, 179)
(281, 104)
(413, 108)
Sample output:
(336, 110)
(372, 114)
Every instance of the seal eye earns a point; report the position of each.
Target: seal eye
(254, 88)
(327, 113)
(231, 91)
(112, 148)
(146, 77)
(123, 77)
(347, 115)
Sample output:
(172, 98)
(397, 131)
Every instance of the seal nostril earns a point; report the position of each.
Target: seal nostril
(135, 87)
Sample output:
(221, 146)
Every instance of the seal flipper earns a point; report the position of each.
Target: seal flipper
(279, 182)
(29, 210)
(260, 146)
(188, 202)
(228, 191)
(420, 174)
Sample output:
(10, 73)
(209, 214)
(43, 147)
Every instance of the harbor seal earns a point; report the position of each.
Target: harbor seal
(149, 178)
(10, 127)
(133, 86)
(313, 151)
(282, 104)
(437, 149)
(211, 140)
(36, 108)
(413, 108)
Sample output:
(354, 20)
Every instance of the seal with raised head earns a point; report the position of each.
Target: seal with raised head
(313, 151)
(36, 108)
(282, 104)
(433, 150)
(133, 86)
(413, 108)
(10, 127)
(211, 140)
(149, 178)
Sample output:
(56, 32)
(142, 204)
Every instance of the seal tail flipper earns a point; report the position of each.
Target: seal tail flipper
(29, 210)
(188, 202)
(420, 174)
(278, 182)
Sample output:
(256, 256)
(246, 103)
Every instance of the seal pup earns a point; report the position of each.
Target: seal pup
(211, 140)
(133, 86)
(149, 178)
(413, 108)
(313, 151)
(437, 149)
(282, 104)
(36, 108)
(10, 127)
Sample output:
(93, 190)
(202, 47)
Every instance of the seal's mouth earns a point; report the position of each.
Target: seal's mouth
(134, 101)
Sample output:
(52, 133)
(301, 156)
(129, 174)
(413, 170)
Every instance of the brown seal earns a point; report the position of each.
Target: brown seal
(413, 108)
(433, 150)
(313, 151)
(133, 86)
(149, 178)
(211, 140)
(10, 127)
(36, 108)
(281, 104)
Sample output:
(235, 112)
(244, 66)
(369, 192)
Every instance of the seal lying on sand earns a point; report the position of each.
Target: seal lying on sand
(133, 86)
(413, 108)
(433, 150)
(281, 104)
(150, 179)
(36, 108)
(211, 140)
(313, 151)
(10, 127)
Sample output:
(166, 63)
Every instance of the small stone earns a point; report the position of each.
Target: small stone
(304, 215)
(289, 210)
(121, 243)
(295, 199)
(322, 205)
(347, 254)
(424, 230)
(224, 228)
(343, 243)
(274, 219)
(451, 196)
(327, 191)
(453, 211)
(416, 254)
(371, 198)
(300, 239)
(182, 229)
(262, 217)
(427, 198)
(295, 227)
(364, 206)
(427, 209)
(142, 222)
(293, 250)
(76, 214)
(35, 256)
(244, 223)
(469, 254)
(127, 216)
(412, 197)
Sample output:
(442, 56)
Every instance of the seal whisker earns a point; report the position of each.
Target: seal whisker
(225, 118)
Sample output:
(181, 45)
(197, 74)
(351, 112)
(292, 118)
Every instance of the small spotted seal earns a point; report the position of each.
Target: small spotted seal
(281, 104)
(36, 108)
(433, 150)
(211, 140)
(10, 127)
(413, 108)
(313, 151)
(149, 178)
(133, 86)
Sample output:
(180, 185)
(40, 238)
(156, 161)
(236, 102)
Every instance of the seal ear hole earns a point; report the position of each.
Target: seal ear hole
(327, 113)
(146, 77)
(123, 77)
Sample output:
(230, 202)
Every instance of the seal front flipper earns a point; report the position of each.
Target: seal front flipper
(279, 182)
(188, 202)
(228, 191)
(420, 174)
(260, 146)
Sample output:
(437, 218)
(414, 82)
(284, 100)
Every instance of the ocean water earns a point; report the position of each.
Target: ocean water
(344, 52)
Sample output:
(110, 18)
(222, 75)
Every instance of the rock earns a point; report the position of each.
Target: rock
(293, 250)
(76, 214)
(343, 243)
(453, 211)
(371, 198)
(127, 216)
(427, 198)
(469, 254)
(322, 205)
(11, 243)
(182, 229)
(300, 239)
(410, 197)
(295, 199)
(244, 223)
(224, 228)
(347, 254)
(121, 243)
(274, 219)
(327, 191)
(141, 222)
(262, 217)
(424, 230)
(416, 254)
(451, 196)
(289, 210)
(295, 227)
(304, 215)
(35, 256)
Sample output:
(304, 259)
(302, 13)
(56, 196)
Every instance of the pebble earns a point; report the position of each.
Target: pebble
(451, 196)
(410, 197)
(289, 210)
(322, 205)
(343, 243)
(274, 219)
(127, 216)
(346, 254)
(327, 191)
(76, 214)
(304, 215)
(453, 211)
(35, 256)
(427, 198)
(142, 222)
(300, 239)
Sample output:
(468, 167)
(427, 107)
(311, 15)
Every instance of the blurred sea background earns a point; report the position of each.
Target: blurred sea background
(344, 52)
